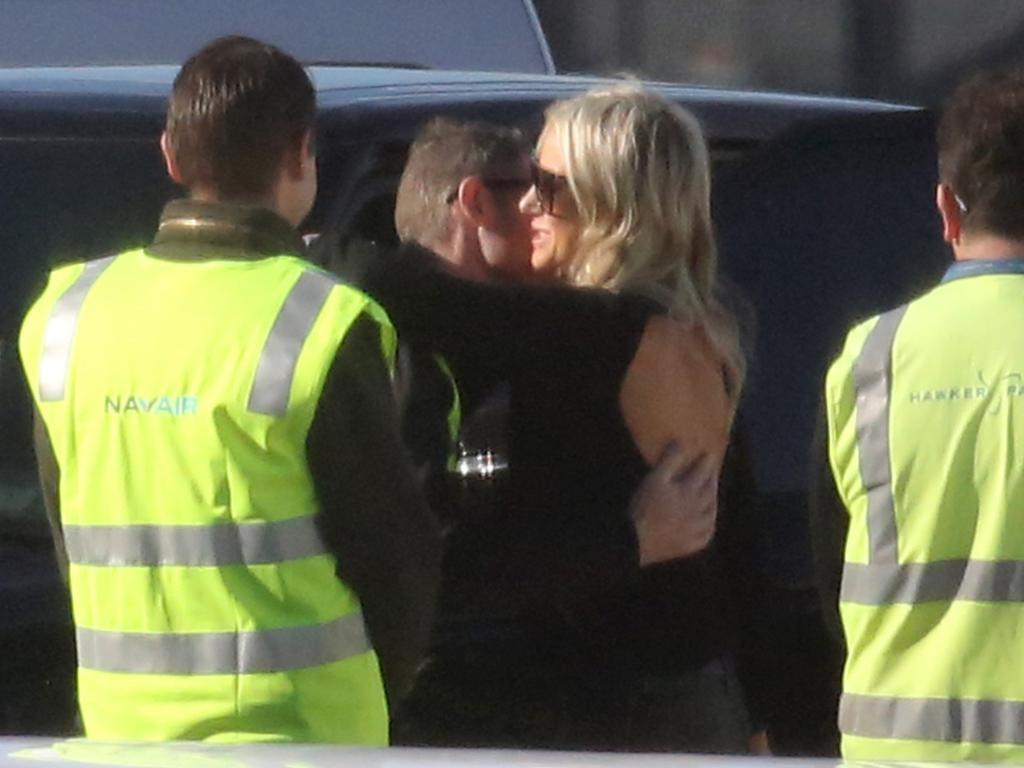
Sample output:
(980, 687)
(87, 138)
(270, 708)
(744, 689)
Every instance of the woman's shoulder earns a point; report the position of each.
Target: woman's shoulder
(671, 346)
(675, 389)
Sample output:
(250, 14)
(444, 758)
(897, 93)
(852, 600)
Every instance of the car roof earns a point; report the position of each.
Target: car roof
(365, 91)
(503, 35)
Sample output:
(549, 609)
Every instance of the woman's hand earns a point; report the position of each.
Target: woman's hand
(759, 744)
(675, 508)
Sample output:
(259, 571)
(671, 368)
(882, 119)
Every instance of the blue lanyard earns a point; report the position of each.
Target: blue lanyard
(977, 267)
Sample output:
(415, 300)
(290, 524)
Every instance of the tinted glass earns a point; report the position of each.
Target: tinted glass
(61, 199)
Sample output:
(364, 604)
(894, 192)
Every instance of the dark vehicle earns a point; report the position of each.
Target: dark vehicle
(823, 210)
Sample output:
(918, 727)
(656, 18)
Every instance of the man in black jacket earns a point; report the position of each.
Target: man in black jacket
(459, 198)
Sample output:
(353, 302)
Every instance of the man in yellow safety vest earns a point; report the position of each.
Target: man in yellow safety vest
(925, 409)
(248, 554)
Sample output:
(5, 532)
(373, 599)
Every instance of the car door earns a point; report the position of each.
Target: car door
(824, 226)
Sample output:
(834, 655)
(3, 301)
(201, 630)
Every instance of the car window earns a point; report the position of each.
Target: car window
(359, 196)
(21, 509)
(61, 200)
(821, 228)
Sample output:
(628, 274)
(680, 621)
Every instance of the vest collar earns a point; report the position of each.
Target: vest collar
(252, 231)
(978, 267)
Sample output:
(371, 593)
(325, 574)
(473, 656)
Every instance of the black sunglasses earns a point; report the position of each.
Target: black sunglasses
(495, 183)
(547, 185)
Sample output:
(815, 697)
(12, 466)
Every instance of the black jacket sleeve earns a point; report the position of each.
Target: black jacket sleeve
(490, 332)
(49, 484)
(828, 523)
(46, 461)
(372, 514)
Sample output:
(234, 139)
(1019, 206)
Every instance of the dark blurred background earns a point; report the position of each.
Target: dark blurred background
(911, 51)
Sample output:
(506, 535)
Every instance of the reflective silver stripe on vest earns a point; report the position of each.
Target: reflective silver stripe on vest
(991, 581)
(872, 378)
(199, 545)
(883, 581)
(951, 720)
(272, 384)
(222, 653)
(60, 332)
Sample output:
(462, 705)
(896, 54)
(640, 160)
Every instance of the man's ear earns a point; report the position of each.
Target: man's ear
(299, 159)
(169, 159)
(952, 214)
(473, 199)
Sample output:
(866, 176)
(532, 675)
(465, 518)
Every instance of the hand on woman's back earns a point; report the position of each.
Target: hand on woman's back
(675, 508)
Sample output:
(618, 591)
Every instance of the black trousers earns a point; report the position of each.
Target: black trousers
(476, 702)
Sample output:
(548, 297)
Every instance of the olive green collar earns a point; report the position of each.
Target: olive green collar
(191, 229)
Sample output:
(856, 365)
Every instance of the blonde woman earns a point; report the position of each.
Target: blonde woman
(621, 201)
(604, 634)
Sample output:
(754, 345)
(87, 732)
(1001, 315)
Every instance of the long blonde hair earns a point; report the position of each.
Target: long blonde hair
(639, 172)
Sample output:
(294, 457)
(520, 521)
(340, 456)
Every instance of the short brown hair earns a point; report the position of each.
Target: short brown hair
(444, 153)
(981, 152)
(236, 107)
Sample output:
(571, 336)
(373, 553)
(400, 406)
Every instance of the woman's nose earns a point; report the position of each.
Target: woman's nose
(530, 203)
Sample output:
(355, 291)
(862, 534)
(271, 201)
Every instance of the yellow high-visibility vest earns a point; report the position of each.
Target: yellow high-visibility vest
(178, 397)
(926, 442)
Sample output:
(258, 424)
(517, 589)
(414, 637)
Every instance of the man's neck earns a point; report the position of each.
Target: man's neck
(208, 196)
(985, 247)
(458, 260)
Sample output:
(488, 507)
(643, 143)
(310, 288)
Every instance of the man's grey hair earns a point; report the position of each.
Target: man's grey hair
(444, 153)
